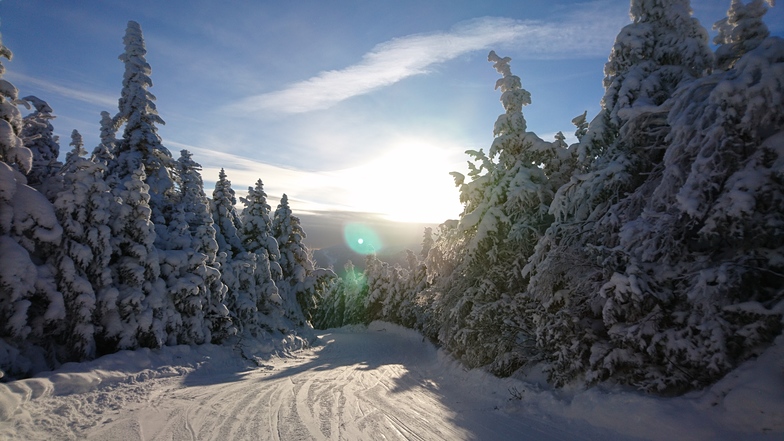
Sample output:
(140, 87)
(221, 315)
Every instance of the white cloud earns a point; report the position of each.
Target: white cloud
(583, 33)
(67, 91)
(410, 182)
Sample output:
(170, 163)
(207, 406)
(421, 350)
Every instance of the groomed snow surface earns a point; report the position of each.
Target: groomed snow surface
(362, 383)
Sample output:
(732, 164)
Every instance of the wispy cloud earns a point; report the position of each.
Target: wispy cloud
(243, 172)
(423, 186)
(400, 58)
(67, 91)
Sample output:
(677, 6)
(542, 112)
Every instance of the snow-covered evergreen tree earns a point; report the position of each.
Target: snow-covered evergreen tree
(30, 304)
(370, 304)
(700, 272)
(662, 47)
(196, 206)
(226, 221)
(83, 208)
(140, 144)
(196, 209)
(741, 31)
(135, 268)
(427, 243)
(12, 149)
(343, 300)
(256, 234)
(38, 135)
(77, 150)
(505, 213)
(238, 267)
(104, 152)
(302, 283)
(639, 279)
(581, 122)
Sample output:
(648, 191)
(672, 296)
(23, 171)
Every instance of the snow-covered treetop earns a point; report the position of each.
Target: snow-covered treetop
(662, 47)
(226, 221)
(741, 31)
(76, 142)
(40, 105)
(223, 189)
(12, 149)
(104, 152)
(187, 163)
(140, 141)
(256, 222)
(38, 136)
(108, 129)
(136, 103)
(78, 148)
(137, 71)
(513, 96)
(664, 33)
(581, 122)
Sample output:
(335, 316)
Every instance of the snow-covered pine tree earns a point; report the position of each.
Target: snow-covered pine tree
(140, 144)
(343, 301)
(581, 122)
(83, 207)
(302, 283)
(12, 149)
(505, 213)
(700, 290)
(741, 31)
(135, 268)
(30, 304)
(412, 310)
(225, 219)
(237, 266)
(294, 261)
(396, 295)
(332, 307)
(38, 136)
(662, 49)
(196, 205)
(104, 152)
(256, 234)
(392, 294)
(196, 209)
(379, 289)
(77, 150)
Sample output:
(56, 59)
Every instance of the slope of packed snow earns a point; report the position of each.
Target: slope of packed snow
(379, 382)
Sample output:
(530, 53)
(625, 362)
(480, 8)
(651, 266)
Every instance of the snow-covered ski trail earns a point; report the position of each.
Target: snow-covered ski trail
(364, 385)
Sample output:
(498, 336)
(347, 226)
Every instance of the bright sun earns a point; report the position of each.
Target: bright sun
(410, 183)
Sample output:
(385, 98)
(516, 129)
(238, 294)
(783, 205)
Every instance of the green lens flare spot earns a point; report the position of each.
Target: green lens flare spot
(362, 239)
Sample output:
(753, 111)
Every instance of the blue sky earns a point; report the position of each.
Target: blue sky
(355, 106)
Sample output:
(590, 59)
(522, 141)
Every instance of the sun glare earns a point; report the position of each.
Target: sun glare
(362, 239)
(409, 183)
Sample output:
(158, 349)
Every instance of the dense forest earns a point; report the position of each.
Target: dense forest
(650, 253)
(124, 250)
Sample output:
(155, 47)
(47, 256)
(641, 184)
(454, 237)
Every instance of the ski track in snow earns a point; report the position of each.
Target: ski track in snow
(358, 385)
(381, 383)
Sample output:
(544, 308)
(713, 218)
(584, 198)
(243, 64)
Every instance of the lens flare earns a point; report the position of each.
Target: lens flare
(362, 239)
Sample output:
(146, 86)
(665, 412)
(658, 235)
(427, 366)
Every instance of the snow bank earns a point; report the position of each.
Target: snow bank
(100, 397)
(747, 404)
(129, 367)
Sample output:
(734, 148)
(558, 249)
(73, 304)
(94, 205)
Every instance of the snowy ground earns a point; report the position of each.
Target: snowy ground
(382, 382)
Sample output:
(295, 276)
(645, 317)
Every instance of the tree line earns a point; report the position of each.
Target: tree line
(122, 249)
(649, 253)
